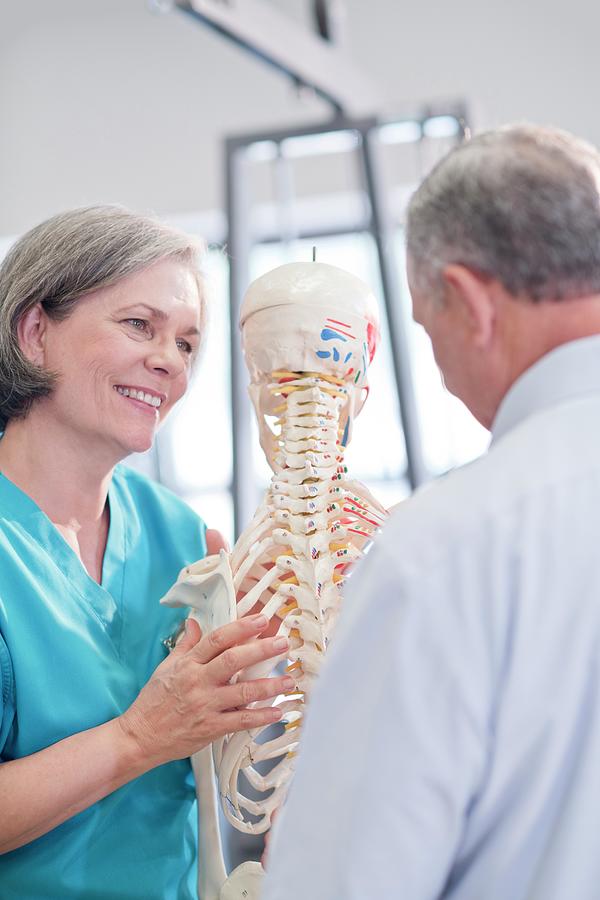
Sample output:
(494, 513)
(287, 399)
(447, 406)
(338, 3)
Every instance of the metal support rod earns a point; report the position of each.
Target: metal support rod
(276, 39)
(285, 195)
(239, 242)
(382, 231)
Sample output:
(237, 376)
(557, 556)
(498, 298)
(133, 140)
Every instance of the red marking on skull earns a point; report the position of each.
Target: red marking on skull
(372, 339)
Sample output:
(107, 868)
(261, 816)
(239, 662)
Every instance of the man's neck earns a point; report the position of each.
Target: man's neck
(528, 331)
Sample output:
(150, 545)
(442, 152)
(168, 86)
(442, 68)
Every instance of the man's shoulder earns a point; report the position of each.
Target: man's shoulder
(546, 455)
(441, 513)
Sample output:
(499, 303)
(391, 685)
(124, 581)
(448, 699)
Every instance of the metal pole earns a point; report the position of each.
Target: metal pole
(382, 231)
(239, 242)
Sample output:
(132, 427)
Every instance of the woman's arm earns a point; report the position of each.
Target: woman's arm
(187, 703)
(40, 791)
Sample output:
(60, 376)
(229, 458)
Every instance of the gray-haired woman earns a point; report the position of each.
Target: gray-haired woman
(101, 316)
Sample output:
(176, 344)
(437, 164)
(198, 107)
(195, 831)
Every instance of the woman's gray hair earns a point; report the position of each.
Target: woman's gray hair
(520, 204)
(61, 260)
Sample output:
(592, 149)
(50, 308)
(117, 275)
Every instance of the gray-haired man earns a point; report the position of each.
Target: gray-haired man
(453, 748)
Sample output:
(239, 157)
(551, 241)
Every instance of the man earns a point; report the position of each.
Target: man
(452, 749)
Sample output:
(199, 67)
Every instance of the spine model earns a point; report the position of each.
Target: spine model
(309, 332)
(292, 561)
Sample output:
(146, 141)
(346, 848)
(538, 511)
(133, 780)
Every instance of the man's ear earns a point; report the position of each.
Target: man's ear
(473, 292)
(31, 332)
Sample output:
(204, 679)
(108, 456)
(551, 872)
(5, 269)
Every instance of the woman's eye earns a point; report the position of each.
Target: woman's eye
(138, 324)
(184, 345)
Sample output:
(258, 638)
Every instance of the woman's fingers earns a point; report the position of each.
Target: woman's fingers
(214, 644)
(247, 719)
(233, 660)
(244, 692)
(190, 700)
(215, 541)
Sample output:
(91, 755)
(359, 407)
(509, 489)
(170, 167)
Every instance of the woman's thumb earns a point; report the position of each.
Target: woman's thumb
(190, 636)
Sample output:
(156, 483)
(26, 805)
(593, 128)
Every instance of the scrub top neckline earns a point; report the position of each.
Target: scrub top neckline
(45, 532)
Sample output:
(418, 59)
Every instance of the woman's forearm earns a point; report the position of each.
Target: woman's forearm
(41, 791)
(188, 702)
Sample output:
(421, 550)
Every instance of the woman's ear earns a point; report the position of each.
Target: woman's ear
(31, 332)
(474, 294)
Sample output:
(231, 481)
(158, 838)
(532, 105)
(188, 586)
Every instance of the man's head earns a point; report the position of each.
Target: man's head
(503, 244)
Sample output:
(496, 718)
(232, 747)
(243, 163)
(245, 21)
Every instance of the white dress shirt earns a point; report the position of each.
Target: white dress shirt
(452, 748)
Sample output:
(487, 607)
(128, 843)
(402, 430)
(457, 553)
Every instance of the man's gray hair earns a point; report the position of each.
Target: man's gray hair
(61, 260)
(520, 204)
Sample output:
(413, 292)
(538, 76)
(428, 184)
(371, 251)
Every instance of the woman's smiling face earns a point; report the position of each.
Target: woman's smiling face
(124, 357)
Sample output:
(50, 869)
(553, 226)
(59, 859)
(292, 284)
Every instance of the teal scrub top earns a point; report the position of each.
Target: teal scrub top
(74, 654)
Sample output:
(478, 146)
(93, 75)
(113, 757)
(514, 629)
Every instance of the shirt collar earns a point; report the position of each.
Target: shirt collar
(568, 371)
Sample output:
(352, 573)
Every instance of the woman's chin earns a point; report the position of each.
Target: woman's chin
(140, 442)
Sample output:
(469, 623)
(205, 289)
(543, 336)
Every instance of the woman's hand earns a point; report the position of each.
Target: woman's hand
(189, 701)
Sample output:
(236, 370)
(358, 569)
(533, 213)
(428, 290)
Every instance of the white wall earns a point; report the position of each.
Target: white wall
(101, 100)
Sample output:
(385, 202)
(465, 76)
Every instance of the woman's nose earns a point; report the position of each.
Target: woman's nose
(166, 358)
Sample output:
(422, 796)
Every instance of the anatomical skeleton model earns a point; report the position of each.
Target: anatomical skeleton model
(309, 332)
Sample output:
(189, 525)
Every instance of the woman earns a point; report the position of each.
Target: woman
(101, 317)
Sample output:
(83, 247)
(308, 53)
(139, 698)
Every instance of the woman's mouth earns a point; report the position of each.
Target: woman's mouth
(141, 396)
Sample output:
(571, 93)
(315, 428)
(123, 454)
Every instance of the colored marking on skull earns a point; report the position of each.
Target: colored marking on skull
(328, 334)
(348, 356)
(348, 333)
(372, 339)
(357, 376)
(333, 332)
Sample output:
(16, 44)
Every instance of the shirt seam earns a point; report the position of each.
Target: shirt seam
(8, 682)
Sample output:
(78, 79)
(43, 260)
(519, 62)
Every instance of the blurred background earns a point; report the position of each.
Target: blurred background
(132, 102)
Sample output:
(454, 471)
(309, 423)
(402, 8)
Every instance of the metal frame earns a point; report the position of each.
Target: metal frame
(381, 226)
(309, 60)
(294, 51)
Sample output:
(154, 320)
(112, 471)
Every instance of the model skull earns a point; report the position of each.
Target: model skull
(311, 318)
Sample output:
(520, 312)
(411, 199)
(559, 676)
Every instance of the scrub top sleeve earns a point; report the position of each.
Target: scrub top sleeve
(7, 695)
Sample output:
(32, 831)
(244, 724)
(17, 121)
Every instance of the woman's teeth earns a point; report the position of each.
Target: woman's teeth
(150, 399)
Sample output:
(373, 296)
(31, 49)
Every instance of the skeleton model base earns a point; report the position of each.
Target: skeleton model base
(290, 563)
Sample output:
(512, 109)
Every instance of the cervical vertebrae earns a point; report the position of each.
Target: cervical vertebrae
(309, 333)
